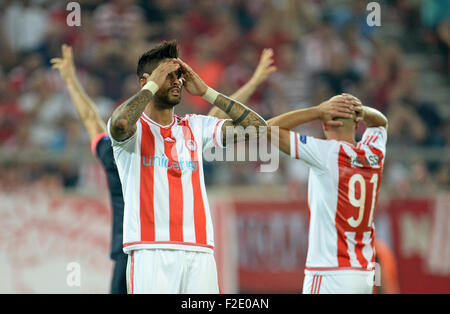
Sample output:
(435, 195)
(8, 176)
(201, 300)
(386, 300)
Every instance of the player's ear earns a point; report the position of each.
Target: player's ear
(142, 82)
(143, 79)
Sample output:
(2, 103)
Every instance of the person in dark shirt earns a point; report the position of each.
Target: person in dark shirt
(101, 148)
(101, 145)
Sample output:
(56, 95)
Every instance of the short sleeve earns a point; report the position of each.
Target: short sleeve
(375, 138)
(312, 151)
(129, 142)
(211, 130)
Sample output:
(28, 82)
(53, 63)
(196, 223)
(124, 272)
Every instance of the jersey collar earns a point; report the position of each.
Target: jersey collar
(148, 120)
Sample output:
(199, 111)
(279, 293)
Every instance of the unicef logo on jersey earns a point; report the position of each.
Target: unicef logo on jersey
(163, 161)
(191, 145)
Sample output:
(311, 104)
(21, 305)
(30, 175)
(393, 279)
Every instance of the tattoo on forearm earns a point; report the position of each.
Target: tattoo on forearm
(230, 106)
(239, 113)
(241, 116)
(127, 114)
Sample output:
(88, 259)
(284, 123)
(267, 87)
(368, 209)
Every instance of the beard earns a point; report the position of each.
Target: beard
(164, 100)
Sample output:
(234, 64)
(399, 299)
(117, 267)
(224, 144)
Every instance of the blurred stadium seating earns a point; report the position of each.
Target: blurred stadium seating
(322, 48)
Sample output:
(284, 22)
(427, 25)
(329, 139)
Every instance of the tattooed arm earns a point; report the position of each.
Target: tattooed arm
(240, 114)
(124, 118)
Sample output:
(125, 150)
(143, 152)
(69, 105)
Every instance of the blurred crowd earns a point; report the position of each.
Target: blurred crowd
(322, 48)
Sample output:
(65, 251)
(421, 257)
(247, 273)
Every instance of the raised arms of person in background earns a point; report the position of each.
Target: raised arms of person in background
(239, 114)
(341, 106)
(124, 117)
(243, 94)
(85, 106)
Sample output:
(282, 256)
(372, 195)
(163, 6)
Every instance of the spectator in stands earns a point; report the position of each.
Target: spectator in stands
(319, 46)
(443, 45)
(308, 37)
(340, 76)
(115, 19)
(25, 25)
(290, 83)
(10, 114)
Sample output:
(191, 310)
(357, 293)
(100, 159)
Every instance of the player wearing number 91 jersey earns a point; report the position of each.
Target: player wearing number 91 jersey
(343, 187)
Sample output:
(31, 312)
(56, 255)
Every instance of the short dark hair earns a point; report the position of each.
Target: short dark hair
(150, 60)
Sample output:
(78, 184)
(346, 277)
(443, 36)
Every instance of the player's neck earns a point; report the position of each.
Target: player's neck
(163, 117)
(344, 137)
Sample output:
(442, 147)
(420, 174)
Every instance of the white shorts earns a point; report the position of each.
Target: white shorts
(341, 282)
(171, 271)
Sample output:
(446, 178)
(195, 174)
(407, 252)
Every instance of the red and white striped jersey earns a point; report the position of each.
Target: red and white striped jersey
(343, 186)
(161, 171)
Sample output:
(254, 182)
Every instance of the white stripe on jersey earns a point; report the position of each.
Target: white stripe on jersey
(351, 249)
(161, 191)
(188, 209)
(132, 177)
(368, 250)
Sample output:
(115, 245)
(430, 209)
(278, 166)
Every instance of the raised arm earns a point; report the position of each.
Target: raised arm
(243, 94)
(124, 117)
(239, 114)
(336, 107)
(84, 105)
(373, 118)
(341, 106)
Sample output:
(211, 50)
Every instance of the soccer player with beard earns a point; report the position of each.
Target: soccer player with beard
(101, 145)
(168, 230)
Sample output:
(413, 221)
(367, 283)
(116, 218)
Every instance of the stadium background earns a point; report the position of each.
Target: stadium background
(54, 206)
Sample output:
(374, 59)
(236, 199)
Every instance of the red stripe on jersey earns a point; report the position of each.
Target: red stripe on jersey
(342, 250)
(175, 187)
(374, 139)
(315, 284)
(147, 214)
(342, 207)
(318, 287)
(312, 285)
(372, 243)
(199, 206)
(358, 250)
